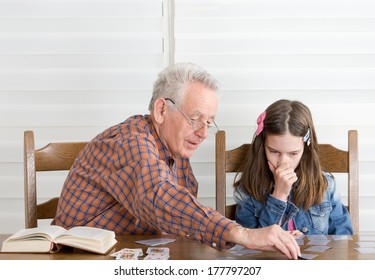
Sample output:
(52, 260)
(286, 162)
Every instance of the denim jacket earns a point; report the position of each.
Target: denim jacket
(329, 217)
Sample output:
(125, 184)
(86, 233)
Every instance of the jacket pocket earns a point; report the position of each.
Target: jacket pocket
(320, 216)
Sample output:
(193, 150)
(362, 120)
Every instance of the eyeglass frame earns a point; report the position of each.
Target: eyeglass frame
(194, 123)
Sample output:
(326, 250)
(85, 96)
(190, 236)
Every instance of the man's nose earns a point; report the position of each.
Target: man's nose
(202, 132)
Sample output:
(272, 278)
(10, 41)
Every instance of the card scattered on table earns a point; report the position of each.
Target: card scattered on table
(244, 252)
(300, 242)
(240, 250)
(318, 242)
(157, 250)
(341, 237)
(314, 237)
(365, 244)
(365, 250)
(128, 254)
(128, 250)
(366, 238)
(318, 248)
(307, 256)
(155, 241)
(236, 247)
(157, 253)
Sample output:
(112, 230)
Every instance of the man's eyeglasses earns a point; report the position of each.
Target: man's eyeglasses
(197, 124)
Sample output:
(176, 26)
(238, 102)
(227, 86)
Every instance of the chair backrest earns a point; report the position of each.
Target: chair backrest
(332, 159)
(52, 157)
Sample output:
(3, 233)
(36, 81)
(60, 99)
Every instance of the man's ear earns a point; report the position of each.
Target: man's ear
(160, 108)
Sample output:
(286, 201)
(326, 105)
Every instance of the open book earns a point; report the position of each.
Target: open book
(50, 239)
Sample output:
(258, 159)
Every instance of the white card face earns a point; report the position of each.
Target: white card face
(311, 237)
(341, 237)
(155, 241)
(365, 244)
(300, 242)
(318, 242)
(236, 247)
(365, 250)
(308, 256)
(367, 237)
(318, 248)
(244, 252)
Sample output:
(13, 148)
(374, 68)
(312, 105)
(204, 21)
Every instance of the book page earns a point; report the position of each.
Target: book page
(43, 232)
(88, 238)
(24, 245)
(89, 233)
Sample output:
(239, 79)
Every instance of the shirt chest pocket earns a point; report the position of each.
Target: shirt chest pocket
(320, 216)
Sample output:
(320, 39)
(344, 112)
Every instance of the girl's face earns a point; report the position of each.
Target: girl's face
(284, 149)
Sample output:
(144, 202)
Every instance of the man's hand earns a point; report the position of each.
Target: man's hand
(270, 238)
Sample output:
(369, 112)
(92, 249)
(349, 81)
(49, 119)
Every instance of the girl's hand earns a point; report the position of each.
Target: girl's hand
(284, 177)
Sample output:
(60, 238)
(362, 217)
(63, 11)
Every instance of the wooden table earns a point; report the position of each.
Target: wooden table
(188, 249)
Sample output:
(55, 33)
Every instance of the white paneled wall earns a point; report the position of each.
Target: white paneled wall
(319, 52)
(69, 69)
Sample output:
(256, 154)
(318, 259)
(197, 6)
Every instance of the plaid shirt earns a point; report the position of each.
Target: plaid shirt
(125, 180)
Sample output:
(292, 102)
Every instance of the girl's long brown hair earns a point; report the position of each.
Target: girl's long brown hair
(255, 176)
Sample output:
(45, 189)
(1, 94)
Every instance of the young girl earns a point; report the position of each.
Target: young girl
(282, 181)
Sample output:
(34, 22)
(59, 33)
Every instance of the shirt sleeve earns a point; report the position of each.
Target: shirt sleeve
(144, 185)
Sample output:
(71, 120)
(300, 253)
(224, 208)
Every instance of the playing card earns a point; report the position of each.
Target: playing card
(300, 241)
(307, 256)
(244, 252)
(155, 241)
(365, 250)
(137, 251)
(127, 256)
(311, 237)
(157, 250)
(341, 237)
(318, 248)
(365, 244)
(318, 242)
(367, 237)
(236, 247)
(157, 256)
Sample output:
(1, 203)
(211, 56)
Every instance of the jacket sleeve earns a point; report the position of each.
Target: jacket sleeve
(339, 220)
(253, 214)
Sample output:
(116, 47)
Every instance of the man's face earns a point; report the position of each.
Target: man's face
(199, 104)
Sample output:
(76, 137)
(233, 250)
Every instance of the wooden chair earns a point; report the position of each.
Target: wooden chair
(52, 157)
(332, 159)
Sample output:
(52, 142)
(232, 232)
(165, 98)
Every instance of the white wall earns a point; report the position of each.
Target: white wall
(319, 52)
(69, 69)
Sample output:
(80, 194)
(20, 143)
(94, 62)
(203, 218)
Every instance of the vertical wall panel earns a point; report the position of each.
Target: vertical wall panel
(68, 70)
(318, 52)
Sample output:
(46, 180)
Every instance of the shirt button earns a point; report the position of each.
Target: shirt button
(305, 229)
(214, 244)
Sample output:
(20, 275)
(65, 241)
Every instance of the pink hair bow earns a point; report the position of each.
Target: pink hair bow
(260, 123)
